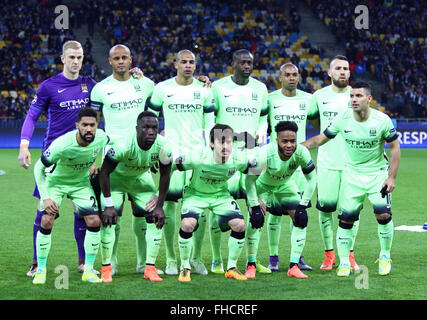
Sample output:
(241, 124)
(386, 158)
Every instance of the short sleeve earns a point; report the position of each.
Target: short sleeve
(390, 133)
(305, 161)
(96, 98)
(156, 101)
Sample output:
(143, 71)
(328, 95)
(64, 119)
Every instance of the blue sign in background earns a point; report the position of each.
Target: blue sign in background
(411, 135)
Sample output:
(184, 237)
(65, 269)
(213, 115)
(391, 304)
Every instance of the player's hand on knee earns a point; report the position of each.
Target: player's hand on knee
(256, 217)
(93, 170)
(151, 205)
(262, 206)
(159, 217)
(109, 216)
(50, 207)
(136, 73)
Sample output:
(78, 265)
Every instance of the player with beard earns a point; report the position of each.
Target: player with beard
(69, 158)
(326, 104)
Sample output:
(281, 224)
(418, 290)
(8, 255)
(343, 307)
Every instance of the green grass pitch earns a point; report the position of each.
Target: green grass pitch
(406, 281)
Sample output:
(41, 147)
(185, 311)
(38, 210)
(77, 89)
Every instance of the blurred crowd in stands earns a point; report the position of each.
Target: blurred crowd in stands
(393, 49)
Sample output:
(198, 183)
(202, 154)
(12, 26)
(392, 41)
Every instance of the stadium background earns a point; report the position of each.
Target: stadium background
(390, 55)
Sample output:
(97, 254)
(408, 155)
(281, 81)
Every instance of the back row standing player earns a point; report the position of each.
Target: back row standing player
(326, 104)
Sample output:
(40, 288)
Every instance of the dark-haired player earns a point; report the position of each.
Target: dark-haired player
(208, 189)
(70, 157)
(272, 180)
(123, 171)
(367, 172)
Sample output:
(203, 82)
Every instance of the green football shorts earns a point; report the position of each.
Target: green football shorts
(279, 199)
(140, 190)
(355, 187)
(82, 196)
(224, 207)
(328, 189)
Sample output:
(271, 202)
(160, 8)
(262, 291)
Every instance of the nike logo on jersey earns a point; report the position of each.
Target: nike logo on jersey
(326, 102)
(347, 131)
(170, 95)
(59, 91)
(71, 159)
(226, 96)
(131, 159)
(110, 93)
(275, 107)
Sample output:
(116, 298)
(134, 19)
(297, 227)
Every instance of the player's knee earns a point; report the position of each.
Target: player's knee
(188, 224)
(383, 218)
(237, 225)
(185, 234)
(300, 219)
(93, 221)
(346, 224)
(47, 221)
(238, 235)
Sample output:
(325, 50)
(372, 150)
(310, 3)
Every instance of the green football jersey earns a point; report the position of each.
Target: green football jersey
(72, 161)
(242, 107)
(187, 110)
(283, 108)
(275, 171)
(133, 161)
(121, 102)
(326, 104)
(210, 178)
(364, 141)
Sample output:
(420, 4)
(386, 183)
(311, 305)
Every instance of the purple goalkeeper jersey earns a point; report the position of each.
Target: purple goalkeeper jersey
(61, 98)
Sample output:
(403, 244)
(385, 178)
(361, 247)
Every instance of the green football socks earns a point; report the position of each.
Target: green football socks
(274, 228)
(139, 226)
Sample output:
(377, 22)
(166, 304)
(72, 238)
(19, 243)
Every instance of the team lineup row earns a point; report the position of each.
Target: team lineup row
(278, 177)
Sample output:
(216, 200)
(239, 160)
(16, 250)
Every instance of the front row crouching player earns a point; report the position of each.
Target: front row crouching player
(69, 157)
(367, 172)
(208, 189)
(272, 181)
(124, 171)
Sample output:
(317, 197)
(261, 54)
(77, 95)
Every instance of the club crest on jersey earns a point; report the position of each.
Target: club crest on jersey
(96, 151)
(302, 106)
(137, 87)
(154, 157)
(84, 88)
(373, 132)
(196, 95)
(254, 96)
